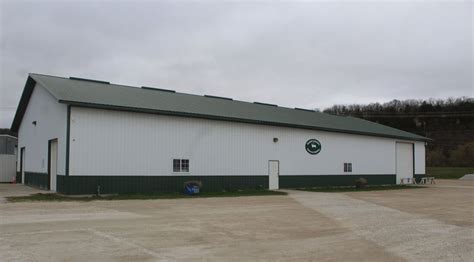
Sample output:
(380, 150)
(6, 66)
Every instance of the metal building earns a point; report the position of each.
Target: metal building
(77, 134)
(8, 148)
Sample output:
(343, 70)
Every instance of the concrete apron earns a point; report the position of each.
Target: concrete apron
(413, 237)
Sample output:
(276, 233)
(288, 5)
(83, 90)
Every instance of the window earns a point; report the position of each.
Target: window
(176, 165)
(184, 165)
(180, 165)
(347, 167)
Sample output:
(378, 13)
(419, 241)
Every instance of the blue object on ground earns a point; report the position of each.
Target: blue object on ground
(191, 189)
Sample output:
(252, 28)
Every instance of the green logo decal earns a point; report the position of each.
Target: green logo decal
(313, 146)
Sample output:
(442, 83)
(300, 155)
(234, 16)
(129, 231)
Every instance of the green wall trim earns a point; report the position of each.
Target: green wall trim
(18, 177)
(38, 180)
(76, 185)
(332, 180)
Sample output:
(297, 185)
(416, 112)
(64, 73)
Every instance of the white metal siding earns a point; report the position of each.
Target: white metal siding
(7, 168)
(107, 142)
(50, 117)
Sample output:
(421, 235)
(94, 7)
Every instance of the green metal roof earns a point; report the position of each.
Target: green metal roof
(101, 94)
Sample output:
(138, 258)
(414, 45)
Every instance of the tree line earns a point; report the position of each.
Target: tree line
(449, 122)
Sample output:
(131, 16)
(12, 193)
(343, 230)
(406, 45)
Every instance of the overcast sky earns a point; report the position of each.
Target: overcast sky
(306, 54)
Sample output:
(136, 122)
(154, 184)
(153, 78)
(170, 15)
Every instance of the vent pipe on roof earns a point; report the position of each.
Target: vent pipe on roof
(219, 97)
(158, 89)
(304, 109)
(89, 80)
(265, 104)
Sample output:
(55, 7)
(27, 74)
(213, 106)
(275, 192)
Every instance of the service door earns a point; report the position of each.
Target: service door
(273, 173)
(53, 164)
(22, 165)
(404, 161)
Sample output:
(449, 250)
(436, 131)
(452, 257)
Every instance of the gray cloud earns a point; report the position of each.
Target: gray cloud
(311, 54)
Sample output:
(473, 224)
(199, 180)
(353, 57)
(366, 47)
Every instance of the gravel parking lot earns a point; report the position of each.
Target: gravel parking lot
(434, 223)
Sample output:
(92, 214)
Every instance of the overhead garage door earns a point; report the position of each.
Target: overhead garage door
(404, 161)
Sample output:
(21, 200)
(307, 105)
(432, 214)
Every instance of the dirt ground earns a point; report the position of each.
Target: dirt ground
(434, 223)
(450, 201)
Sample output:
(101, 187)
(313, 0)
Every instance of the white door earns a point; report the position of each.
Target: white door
(273, 173)
(404, 161)
(22, 165)
(53, 164)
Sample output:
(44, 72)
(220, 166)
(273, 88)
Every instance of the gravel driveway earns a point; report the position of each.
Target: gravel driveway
(431, 224)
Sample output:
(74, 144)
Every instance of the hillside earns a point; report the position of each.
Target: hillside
(449, 122)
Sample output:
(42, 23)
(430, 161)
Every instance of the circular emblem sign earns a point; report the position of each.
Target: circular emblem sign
(313, 146)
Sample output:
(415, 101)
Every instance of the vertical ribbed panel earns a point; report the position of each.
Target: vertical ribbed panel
(38, 180)
(118, 143)
(154, 184)
(50, 122)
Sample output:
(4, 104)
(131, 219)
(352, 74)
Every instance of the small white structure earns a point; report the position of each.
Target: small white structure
(7, 158)
(76, 135)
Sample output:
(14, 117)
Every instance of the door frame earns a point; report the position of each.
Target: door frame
(278, 174)
(49, 161)
(22, 164)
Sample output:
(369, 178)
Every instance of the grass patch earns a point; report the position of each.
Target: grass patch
(354, 189)
(448, 172)
(58, 197)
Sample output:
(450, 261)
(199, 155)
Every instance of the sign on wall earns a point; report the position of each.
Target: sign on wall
(313, 146)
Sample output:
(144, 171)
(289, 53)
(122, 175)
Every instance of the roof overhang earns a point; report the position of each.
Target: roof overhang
(22, 105)
(33, 79)
(9, 136)
(241, 120)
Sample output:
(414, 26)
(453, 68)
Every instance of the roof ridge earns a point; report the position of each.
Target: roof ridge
(104, 82)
